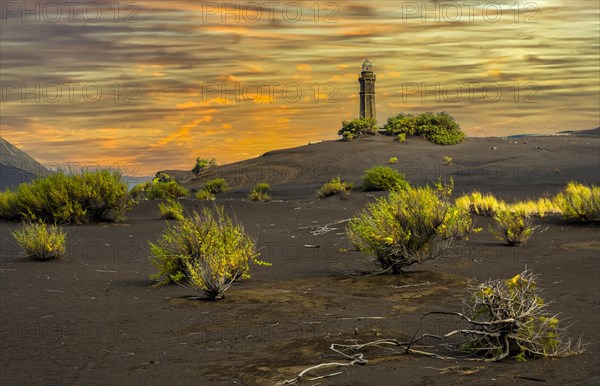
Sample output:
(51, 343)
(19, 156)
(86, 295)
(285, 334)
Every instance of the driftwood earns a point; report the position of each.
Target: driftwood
(501, 318)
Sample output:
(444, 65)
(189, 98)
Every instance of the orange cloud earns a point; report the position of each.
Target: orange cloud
(304, 67)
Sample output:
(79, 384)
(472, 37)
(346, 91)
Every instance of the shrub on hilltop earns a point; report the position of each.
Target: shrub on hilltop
(358, 128)
(440, 128)
(203, 164)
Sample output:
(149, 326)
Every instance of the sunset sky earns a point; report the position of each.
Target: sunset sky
(180, 79)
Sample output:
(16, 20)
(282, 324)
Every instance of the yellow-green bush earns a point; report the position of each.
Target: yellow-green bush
(8, 205)
(513, 226)
(540, 208)
(481, 204)
(579, 202)
(41, 241)
(171, 210)
(383, 178)
(393, 160)
(409, 226)
(68, 198)
(207, 249)
(261, 192)
(335, 187)
(218, 185)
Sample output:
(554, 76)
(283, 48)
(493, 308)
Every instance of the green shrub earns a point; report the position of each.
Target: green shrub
(68, 198)
(512, 226)
(165, 190)
(401, 124)
(162, 187)
(218, 185)
(335, 187)
(41, 241)
(358, 128)
(9, 205)
(205, 195)
(439, 128)
(207, 249)
(579, 202)
(261, 192)
(409, 226)
(203, 164)
(383, 178)
(171, 210)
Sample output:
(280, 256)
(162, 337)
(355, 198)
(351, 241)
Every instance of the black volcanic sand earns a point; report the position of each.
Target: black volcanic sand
(94, 318)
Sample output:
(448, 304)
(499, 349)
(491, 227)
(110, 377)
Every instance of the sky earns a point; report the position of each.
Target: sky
(149, 85)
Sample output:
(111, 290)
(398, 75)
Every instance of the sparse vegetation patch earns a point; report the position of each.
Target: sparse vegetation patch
(261, 192)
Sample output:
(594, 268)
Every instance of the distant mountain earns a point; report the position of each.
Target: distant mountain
(583, 133)
(16, 166)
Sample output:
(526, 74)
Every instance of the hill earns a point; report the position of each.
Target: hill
(16, 166)
(583, 133)
(517, 167)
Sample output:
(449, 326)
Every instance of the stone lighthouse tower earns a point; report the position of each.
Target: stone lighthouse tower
(367, 91)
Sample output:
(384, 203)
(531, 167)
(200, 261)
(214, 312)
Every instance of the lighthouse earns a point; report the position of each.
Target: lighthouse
(367, 91)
